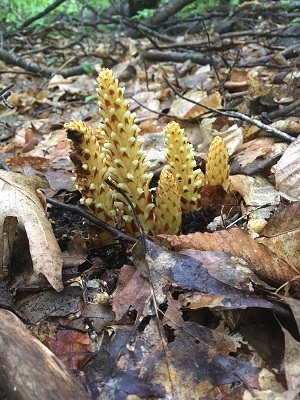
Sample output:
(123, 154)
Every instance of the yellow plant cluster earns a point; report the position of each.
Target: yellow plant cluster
(113, 151)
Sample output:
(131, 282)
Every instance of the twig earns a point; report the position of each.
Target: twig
(141, 228)
(251, 169)
(230, 66)
(283, 111)
(118, 235)
(238, 115)
(221, 84)
(153, 111)
(4, 94)
(289, 53)
(4, 166)
(165, 38)
(12, 58)
(42, 13)
(155, 55)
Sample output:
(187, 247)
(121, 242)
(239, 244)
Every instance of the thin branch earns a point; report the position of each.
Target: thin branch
(4, 166)
(4, 94)
(141, 228)
(238, 115)
(161, 114)
(12, 58)
(283, 111)
(221, 84)
(118, 235)
(42, 13)
(155, 55)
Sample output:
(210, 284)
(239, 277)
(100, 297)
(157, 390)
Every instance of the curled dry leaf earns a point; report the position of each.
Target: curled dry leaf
(254, 151)
(184, 109)
(265, 263)
(292, 348)
(282, 235)
(287, 171)
(20, 203)
(259, 195)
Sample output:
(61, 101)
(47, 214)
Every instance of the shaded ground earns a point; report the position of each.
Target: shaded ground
(212, 329)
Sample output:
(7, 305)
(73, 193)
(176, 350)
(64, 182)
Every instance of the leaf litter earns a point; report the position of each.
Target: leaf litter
(216, 335)
(21, 204)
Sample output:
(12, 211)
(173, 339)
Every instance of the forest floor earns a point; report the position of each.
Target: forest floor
(210, 313)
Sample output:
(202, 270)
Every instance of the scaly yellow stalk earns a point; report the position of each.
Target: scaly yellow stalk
(90, 169)
(181, 163)
(168, 208)
(217, 167)
(113, 150)
(123, 151)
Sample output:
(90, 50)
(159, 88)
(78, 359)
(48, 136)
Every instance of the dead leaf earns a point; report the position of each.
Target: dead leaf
(239, 243)
(252, 150)
(288, 125)
(173, 315)
(287, 171)
(229, 269)
(20, 201)
(169, 269)
(259, 195)
(194, 365)
(184, 109)
(132, 290)
(269, 389)
(283, 235)
(70, 346)
(292, 348)
(48, 303)
(76, 253)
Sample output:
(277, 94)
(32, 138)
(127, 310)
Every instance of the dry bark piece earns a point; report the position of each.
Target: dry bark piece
(20, 203)
(41, 375)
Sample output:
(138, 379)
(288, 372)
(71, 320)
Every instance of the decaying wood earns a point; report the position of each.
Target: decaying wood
(28, 370)
(166, 10)
(13, 59)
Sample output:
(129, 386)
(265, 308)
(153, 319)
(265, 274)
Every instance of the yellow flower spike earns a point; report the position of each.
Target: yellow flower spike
(168, 209)
(90, 169)
(217, 167)
(181, 163)
(113, 150)
(123, 149)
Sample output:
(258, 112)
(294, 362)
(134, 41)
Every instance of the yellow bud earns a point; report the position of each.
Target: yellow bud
(217, 167)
